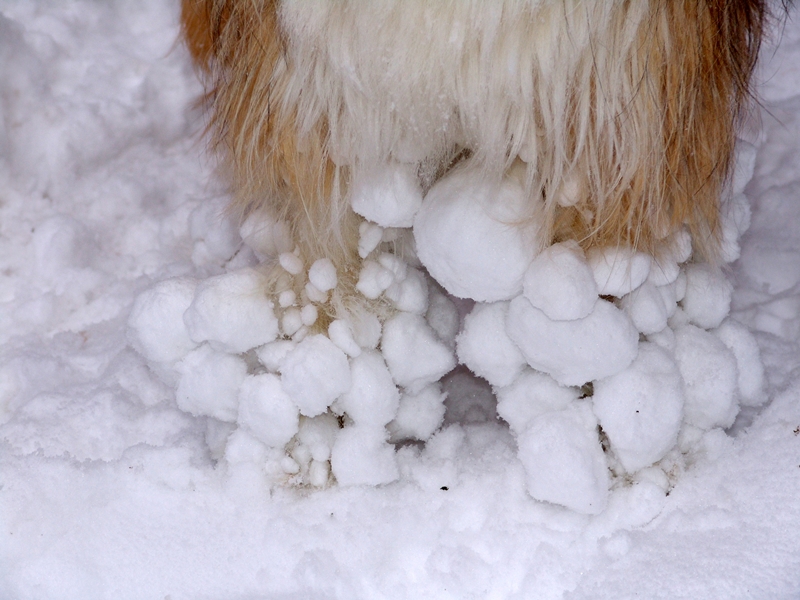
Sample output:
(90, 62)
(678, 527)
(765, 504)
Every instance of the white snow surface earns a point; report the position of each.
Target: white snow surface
(123, 473)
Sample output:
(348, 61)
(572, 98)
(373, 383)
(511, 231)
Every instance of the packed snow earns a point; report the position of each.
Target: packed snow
(169, 431)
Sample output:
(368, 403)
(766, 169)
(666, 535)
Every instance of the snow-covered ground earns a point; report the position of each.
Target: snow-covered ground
(109, 490)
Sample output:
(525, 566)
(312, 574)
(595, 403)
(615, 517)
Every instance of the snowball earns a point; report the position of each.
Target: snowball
(267, 411)
(314, 294)
(416, 357)
(367, 328)
(389, 195)
(271, 355)
(750, 369)
(209, 383)
(531, 395)
(641, 408)
(563, 460)
(666, 265)
(241, 447)
(370, 235)
(708, 295)
(681, 245)
(265, 235)
(647, 308)
(341, 334)
(315, 438)
(669, 294)
(573, 352)
(322, 275)
(410, 294)
(418, 415)
(314, 374)
(394, 264)
(373, 398)
(308, 315)
(291, 263)
(618, 271)
(709, 373)
(374, 279)
(570, 193)
(560, 283)
(470, 237)
(291, 321)
(485, 348)
(286, 298)
(361, 456)
(664, 338)
(318, 473)
(232, 312)
(155, 326)
(663, 270)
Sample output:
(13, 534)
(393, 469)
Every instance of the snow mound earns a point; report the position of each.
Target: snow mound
(602, 363)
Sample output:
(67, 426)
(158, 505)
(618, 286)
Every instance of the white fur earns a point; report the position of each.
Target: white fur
(408, 80)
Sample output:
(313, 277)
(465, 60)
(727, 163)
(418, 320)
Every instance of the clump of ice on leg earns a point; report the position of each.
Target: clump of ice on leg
(341, 333)
(155, 326)
(409, 294)
(531, 395)
(750, 368)
(232, 312)
(419, 414)
(560, 283)
(618, 271)
(267, 411)
(708, 295)
(573, 352)
(709, 372)
(373, 398)
(415, 355)
(649, 308)
(472, 238)
(209, 383)
(388, 195)
(641, 408)
(361, 454)
(564, 461)
(374, 279)
(485, 348)
(314, 374)
(310, 450)
(291, 263)
(369, 237)
(322, 275)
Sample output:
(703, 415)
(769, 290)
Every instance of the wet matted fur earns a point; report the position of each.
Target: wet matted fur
(619, 116)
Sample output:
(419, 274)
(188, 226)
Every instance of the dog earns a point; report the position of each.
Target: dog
(618, 117)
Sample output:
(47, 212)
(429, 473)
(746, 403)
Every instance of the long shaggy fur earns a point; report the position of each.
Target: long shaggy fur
(620, 114)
